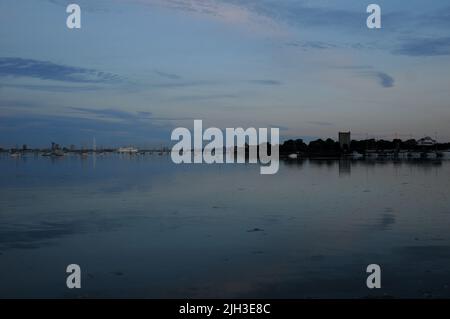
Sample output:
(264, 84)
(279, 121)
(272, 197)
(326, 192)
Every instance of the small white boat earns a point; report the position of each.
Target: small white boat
(356, 155)
(54, 153)
(127, 150)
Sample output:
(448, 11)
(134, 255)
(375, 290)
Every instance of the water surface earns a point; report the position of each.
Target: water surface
(143, 227)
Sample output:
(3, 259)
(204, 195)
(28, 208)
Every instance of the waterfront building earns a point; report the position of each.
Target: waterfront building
(344, 140)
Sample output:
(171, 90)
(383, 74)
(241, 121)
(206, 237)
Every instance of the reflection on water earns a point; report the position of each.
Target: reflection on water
(143, 227)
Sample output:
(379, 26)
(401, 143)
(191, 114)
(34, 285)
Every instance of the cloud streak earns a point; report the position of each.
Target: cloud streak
(43, 70)
(230, 12)
(110, 113)
(274, 11)
(425, 47)
(320, 123)
(116, 114)
(384, 79)
(265, 82)
(169, 76)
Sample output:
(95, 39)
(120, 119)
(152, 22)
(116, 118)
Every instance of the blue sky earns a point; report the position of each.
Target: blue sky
(139, 68)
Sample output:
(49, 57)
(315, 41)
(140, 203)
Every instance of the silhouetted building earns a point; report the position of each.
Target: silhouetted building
(344, 140)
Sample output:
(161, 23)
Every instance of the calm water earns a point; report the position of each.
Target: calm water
(143, 227)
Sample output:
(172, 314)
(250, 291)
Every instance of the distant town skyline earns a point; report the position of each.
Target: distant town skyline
(139, 68)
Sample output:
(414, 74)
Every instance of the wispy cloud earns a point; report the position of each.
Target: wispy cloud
(181, 84)
(320, 45)
(299, 12)
(169, 76)
(231, 12)
(126, 116)
(107, 113)
(44, 70)
(384, 79)
(353, 67)
(113, 114)
(327, 45)
(266, 82)
(437, 18)
(204, 97)
(423, 47)
(23, 104)
(303, 13)
(54, 88)
(320, 123)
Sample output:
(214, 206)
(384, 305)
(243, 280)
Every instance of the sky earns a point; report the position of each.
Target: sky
(139, 68)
